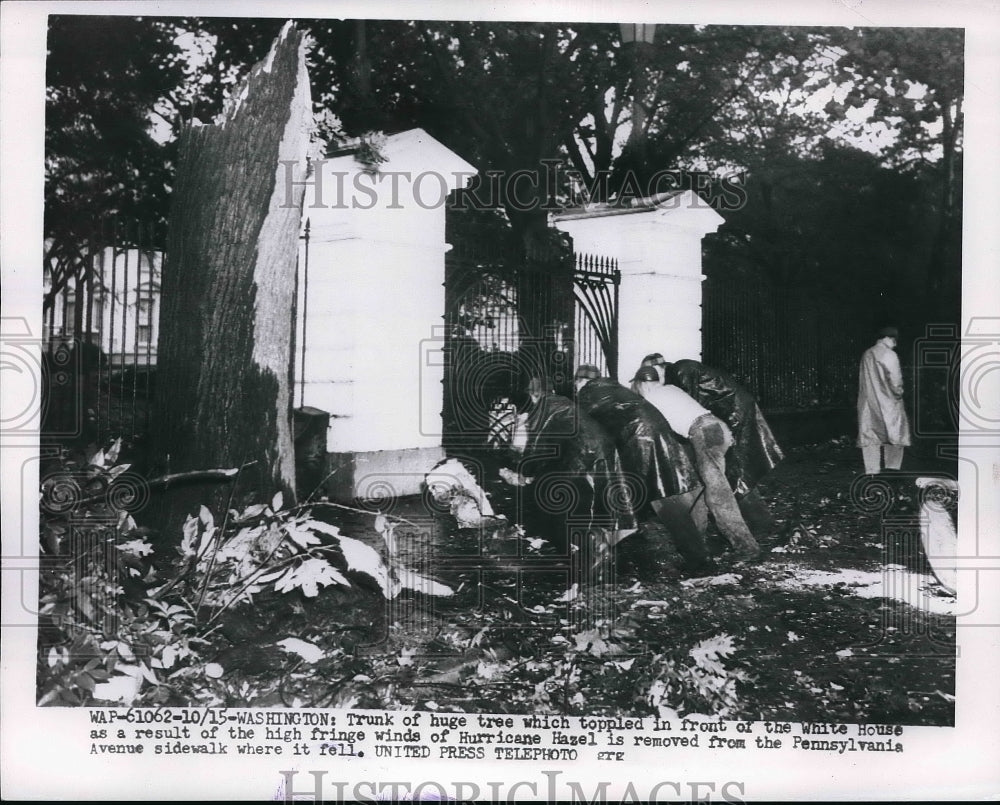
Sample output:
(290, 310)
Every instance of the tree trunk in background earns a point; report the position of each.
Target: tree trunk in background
(944, 287)
(227, 318)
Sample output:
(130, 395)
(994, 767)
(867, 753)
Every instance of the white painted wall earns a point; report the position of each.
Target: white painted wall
(376, 296)
(658, 249)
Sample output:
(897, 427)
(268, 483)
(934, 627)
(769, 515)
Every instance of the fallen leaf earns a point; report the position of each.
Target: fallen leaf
(307, 651)
(592, 642)
(324, 528)
(411, 580)
(571, 594)
(119, 688)
(488, 670)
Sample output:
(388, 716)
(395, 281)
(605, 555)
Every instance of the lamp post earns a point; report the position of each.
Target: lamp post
(638, 37)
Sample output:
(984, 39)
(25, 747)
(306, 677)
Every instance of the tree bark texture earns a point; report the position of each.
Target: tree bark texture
(228, 289)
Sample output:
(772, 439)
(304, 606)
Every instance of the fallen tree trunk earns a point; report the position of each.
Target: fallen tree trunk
(228, 290)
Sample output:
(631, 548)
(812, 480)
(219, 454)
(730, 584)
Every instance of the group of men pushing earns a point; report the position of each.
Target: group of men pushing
(686, 442)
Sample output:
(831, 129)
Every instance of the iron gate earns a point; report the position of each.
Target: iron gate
(595, 285)
(510, 316)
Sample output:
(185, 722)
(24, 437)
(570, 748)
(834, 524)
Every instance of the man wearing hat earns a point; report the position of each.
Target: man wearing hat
(710, 439)
(566, 447)
(585, 372)
(657, 362)
(883, 428)
(649, 449)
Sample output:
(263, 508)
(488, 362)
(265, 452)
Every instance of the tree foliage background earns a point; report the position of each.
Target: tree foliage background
(848, 142)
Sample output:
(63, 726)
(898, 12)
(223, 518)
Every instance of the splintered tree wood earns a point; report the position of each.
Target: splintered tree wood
(228, 289)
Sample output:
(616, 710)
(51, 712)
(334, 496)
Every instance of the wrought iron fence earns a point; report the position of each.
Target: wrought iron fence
(100, 329)
(510, 315)
(794, 350)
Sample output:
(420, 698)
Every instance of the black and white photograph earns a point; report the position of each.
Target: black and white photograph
(410, 394)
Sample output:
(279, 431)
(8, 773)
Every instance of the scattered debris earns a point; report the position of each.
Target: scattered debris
(452, 484)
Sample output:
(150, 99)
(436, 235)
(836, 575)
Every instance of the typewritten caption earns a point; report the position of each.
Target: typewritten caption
(346, 734)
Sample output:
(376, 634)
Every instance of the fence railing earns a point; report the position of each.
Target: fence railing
(512, 313)
(792, 350)
(100, 331)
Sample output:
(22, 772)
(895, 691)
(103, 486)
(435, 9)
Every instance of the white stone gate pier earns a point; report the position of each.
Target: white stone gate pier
(657, 242)
(371, 297)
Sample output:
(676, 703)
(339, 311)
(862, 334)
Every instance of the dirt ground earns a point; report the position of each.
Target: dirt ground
(840, 621)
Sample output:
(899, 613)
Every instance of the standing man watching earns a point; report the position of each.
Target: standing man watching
(882, 424)
(711, 440)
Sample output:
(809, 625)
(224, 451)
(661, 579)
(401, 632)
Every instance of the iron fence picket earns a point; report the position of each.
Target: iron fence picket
(105, 315)
(793, 350)
(509, 314)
